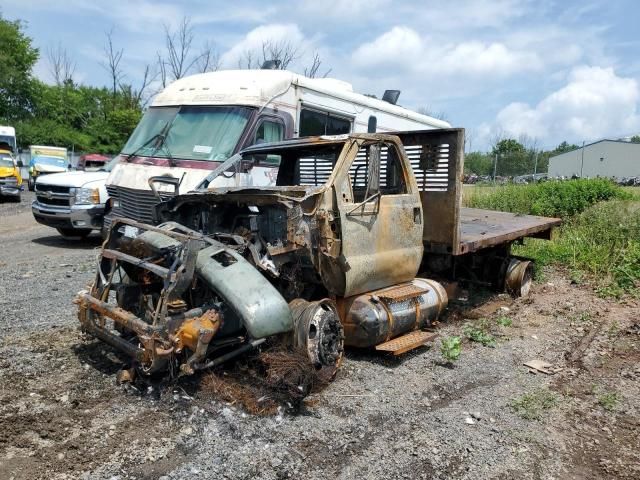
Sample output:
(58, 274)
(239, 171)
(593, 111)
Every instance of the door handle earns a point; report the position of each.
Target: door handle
(417, 215)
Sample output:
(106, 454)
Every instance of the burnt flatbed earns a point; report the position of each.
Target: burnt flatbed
(481, 229)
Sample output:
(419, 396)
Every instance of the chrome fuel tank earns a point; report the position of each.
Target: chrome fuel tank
(378, 316)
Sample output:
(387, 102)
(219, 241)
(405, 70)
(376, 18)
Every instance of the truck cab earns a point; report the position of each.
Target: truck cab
(46, 160)
(72, 202)
(10, 178)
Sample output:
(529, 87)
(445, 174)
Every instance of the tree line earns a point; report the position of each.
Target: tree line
(509, 157)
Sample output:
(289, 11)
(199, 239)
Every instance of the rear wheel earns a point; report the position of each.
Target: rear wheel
(73, 233)
(519, 277)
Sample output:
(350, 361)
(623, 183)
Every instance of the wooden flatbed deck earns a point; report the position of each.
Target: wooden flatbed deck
(481, 229)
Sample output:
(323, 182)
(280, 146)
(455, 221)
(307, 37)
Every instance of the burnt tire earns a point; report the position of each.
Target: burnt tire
(318, 331)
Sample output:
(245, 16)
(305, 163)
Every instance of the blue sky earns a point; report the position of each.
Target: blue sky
(551, 70)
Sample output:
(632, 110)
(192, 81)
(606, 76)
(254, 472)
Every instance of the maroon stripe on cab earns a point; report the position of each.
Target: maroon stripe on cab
(164, 162)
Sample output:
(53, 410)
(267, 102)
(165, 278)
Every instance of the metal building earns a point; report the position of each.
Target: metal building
(604, 158)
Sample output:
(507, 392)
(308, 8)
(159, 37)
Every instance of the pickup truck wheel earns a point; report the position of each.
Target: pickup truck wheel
(31, 185)
(73, 233)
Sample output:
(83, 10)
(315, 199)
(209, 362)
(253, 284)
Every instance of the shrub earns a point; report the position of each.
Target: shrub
(450, 348)
(552, 199)
(603, 241)
(504, 321)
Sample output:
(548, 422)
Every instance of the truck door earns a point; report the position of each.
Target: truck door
(380, 218)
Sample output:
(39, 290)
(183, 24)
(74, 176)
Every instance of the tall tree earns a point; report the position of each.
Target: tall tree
(508, 146)
(313, 70)
(111, 64)
(17, 58)
(564, 147)
(61, 66)
(178, 60)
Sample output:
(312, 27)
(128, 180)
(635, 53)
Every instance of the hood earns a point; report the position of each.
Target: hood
(39, 167)
(7, 172)
(136, 176)
(72, 179)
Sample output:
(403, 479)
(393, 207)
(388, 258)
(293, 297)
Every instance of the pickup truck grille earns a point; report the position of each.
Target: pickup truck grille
(134, 204)
(54, 195)
(13, 181)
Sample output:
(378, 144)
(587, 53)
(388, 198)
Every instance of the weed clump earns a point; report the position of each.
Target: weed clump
(530, 406)
(609, 401)
(479, 332)
(450, 348)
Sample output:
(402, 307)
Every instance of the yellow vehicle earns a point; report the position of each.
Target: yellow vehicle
(10, 178)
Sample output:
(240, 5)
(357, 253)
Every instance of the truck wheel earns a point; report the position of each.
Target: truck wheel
(518, 277)
(31, 185)
(73, 233)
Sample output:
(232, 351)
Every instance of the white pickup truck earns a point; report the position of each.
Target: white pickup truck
(72, 202)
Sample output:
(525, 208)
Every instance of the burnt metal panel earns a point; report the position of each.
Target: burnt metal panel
(437, 159)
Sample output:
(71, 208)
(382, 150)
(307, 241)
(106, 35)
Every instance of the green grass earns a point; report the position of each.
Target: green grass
(551, 199)
(603, 242)
(479, 332)
(609, 401)
(600, 238)
(530, 406)
(504, 321)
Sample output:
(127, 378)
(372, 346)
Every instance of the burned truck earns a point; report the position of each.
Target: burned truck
(333, 254)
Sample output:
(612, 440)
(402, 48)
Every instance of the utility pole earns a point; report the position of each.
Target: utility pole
(582, 161)
(495, 166)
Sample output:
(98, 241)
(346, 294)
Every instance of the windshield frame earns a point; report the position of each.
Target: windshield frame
(60, 162)
(9, 158)
(156, 142)
(9, 140)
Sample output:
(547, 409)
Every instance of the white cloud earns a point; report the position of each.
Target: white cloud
(480, 58)
(402, 47)
(594, 103)
(464, 14)
(344, 8)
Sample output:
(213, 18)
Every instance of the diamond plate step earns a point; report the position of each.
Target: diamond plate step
(400, 345)
(401, 292)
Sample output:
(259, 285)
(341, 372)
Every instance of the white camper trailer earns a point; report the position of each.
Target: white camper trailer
(198, 122)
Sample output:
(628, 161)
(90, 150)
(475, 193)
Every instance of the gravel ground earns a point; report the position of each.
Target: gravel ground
(63, 416)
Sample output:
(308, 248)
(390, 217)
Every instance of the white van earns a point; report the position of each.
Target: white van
(198, 122)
